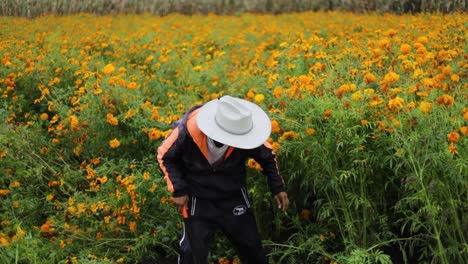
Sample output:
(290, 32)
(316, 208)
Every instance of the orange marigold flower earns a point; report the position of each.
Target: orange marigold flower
(455, 78)
(344, 89)
(405, 48)
(369, 78)
(452, 149)
(327, 113)
(114, 143)
(423, 40)
(4, 240)
(251, 94)
(275, 146)
(112, 120)
(390, 78)
(154, 134)
(132, 225)
(251, 163)
(44, 116)
(305, 214)
(132, 85)
(464, 130)
(277, 92)
(453, 137)
(310, 131)
(4, 192)
(275, 128)
(288, 135)
(445, 99)
(396, 104)
(74, 123)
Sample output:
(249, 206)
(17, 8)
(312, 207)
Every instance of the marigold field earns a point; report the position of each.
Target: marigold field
(369, 116)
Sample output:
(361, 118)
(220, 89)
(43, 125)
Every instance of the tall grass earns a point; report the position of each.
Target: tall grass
(33, 8)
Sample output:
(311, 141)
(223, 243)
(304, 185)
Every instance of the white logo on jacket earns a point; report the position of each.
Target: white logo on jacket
(239, 210)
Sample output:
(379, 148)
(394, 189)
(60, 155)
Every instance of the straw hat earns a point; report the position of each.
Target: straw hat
(234, 122)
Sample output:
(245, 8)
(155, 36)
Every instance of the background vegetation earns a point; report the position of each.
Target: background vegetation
(32, 8)
(369, 120)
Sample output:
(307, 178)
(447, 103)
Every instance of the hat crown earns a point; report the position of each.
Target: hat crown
(233, 116)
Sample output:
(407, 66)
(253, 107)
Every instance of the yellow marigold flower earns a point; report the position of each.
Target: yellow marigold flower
(259, 98)
(149, 59)
(108, 69)
(112, 120)
(114, 143)
(425, 107)
(407, 65)
(405, 48)
(357, 96)
(418, 73)
(446, 100)
(15, 184)
(396, 104)
(50, 197)
(453, 137)
(275, 128)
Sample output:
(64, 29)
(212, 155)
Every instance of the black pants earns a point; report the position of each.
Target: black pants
(233, 217)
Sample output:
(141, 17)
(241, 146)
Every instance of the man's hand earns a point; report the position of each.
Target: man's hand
(282, 201)
(180, 202)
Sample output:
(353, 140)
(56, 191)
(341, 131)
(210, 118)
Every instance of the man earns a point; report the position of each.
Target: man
(204, 165)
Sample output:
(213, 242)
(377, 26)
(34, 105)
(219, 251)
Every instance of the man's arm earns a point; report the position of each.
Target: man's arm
(266, 158)
(169, 158)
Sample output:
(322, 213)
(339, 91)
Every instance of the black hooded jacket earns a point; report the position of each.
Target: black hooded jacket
(183, 158)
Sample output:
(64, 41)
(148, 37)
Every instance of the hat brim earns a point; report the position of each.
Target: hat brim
(256, 137)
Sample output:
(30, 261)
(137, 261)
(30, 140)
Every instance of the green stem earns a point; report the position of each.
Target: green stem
(420, 172)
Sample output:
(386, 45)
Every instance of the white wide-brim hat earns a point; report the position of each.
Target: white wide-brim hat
(234, 122)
